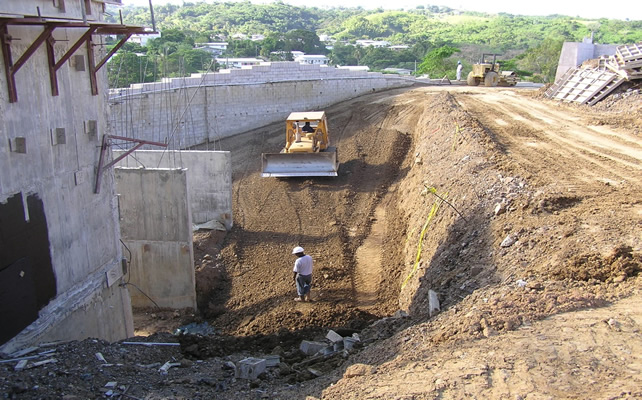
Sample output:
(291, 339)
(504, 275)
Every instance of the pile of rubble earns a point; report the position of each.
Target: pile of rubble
(589, 85)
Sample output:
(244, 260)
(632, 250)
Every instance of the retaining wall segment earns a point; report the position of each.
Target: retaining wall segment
(209, 174)
(185, 112)
(156, 227)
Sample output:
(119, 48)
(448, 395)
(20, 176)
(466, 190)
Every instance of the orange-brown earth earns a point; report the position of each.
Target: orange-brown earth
(523, 216)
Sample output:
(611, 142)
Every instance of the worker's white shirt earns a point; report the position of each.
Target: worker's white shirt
(303, 265)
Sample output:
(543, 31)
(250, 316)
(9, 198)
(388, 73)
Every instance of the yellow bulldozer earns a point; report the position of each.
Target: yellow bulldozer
(488, 73)
(307, 150)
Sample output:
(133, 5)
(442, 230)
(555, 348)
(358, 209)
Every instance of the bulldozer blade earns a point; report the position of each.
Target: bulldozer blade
(284, 165)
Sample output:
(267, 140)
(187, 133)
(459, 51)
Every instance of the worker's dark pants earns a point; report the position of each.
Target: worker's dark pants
(303, 283)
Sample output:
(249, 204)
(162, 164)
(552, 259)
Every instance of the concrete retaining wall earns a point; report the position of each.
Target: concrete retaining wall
(189, 111)
(210, 178)
(574, 54)
(54, 179)
(156, 226)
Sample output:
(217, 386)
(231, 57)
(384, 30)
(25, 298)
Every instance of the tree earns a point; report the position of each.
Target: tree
(436, 62)
(305, 41)
(543, 59)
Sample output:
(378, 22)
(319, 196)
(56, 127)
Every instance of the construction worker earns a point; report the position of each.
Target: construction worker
(459, 68)
(307, 128)
(302, 274)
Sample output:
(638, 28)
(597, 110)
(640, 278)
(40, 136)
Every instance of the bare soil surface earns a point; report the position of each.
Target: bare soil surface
(522, 216)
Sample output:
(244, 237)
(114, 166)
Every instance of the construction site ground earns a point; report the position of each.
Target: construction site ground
(522, 215)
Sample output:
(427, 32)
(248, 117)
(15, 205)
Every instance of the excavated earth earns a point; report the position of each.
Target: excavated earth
(521, 216)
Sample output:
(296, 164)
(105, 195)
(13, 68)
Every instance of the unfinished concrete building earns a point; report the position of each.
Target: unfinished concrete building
(60, 253)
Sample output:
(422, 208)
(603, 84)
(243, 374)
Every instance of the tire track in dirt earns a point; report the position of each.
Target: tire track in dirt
(559, 138)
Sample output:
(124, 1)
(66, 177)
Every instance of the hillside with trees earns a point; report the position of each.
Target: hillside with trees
(434, 38)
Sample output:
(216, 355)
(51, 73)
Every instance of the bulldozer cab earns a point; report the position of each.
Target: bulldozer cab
(307, 150)
(306, 132)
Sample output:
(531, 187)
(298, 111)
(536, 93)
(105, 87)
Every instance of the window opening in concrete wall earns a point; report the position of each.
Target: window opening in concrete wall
(27, 279)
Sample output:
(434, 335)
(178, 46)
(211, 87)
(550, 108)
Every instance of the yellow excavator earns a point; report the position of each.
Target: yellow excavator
(307, 150)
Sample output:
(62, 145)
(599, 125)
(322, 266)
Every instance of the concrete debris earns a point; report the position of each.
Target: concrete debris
(521, 283)
(500, 208)
(348, 343)
(311, 348)
(272, 360)
(111, 384)
(100, 358)
(43, 362)
(165, 368)
(23, 352)
(21, 365)
(433, 303)
(509, 241)
(400, 314)
(333, 336)
(615, 325)
(203, 329)
(251, 368)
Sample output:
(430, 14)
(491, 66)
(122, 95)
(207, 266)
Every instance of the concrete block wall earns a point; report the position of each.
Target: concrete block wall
(186, 112)
(55, 177)
(210, 177)
(156, 227)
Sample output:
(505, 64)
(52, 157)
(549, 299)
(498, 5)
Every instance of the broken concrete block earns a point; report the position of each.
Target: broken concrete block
(338, 346)
(433, 303)
(327, 351)
(272, 360)
(165, 368)
(334, 337)
(251, 368)
(99, 357)
(111, 384)
(21, 364)
(348, 343)
(311, 348)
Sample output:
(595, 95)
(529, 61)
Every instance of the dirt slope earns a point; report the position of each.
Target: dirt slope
(523, 216)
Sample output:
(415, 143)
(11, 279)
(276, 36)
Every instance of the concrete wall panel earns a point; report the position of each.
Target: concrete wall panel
(156, 227)
(210, 177)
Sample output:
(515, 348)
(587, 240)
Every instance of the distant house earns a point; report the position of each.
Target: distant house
(326, 38)
(215, 48)
(399, 47)
(143, 39)
(373, 43)
(257, 38)
(240, 36)
(315, 59)
(238, 62)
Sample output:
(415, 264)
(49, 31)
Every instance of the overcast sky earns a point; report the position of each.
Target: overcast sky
(581, 8)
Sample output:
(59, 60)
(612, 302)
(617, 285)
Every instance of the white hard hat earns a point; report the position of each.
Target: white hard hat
(297, 249)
